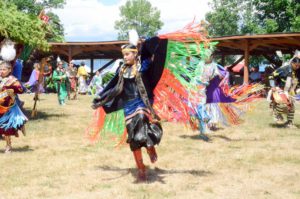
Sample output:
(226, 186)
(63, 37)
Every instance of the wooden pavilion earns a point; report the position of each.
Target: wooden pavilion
(255, 45)
(245, 45)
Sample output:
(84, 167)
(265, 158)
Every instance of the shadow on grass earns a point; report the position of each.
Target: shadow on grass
(274, 125)
(210, 138)
(202, 137)
(19, 149)
(42, 115)
(214, 129)
(153, 175)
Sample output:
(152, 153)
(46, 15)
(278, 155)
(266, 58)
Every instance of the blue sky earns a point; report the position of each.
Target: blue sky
(109, 2)
(93, 20)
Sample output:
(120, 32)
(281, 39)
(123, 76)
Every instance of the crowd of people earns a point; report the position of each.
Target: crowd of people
(67, 80)
(148, 87)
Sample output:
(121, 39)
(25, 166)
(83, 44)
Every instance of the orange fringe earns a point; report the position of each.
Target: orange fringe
(168, 101)
(192, 31)
(123, 139)
(93, 131)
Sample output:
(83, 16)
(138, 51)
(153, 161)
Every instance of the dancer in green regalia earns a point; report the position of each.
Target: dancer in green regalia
(59, 78)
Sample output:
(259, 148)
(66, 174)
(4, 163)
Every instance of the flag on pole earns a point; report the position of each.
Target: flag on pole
(44, 17)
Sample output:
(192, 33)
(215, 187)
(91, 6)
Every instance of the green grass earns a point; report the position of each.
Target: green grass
(253, 160)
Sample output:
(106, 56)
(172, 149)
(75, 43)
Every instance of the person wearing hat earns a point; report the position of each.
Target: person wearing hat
(82, 77)
(60, 78)
(129, 90)
(283, 82)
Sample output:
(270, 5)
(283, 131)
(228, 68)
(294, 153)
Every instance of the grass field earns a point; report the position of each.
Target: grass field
(254, 160)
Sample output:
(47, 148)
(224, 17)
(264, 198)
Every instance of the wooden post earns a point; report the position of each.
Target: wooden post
(92, 67)
(246, 67)
(69, 54)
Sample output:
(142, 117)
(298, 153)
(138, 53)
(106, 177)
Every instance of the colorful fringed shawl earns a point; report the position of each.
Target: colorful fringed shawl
(180, 94)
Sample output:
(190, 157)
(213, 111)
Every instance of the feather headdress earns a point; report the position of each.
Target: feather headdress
(133, 37)
(133, 42)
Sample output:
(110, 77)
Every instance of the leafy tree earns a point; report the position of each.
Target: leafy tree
(139, 15)
(230, 17)
(33, 7)
(21, 27)
(55, 28)
(248, 21)
(296, 24)
(36, 6)
(223, 18)
(278, 15)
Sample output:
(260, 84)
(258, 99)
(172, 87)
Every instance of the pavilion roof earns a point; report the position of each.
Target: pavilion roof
(258, 44)
(227, 45)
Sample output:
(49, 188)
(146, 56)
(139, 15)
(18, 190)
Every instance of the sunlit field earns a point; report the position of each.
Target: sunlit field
(257, 159)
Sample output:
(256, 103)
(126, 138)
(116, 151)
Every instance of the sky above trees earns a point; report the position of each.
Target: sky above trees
(93, 20)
